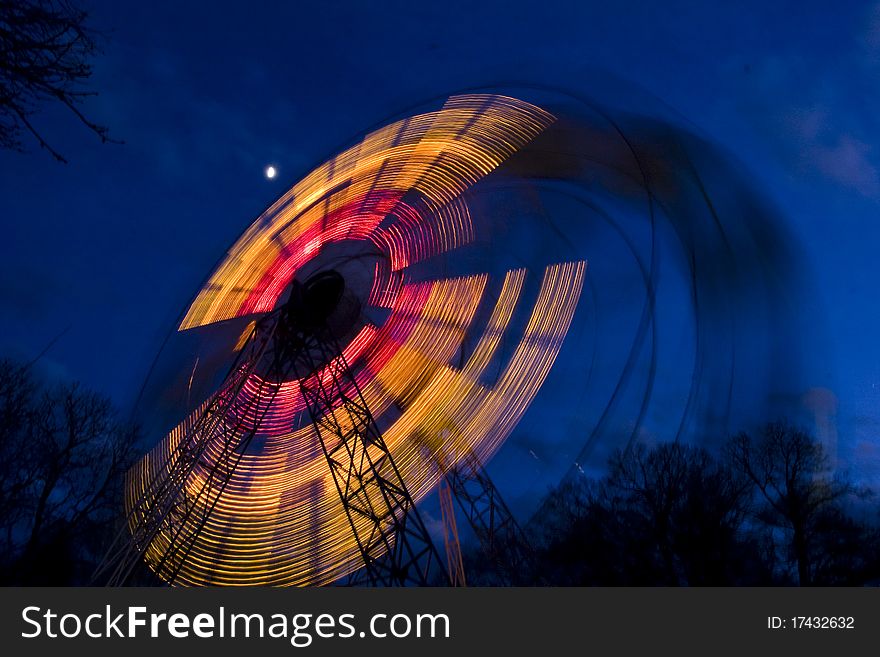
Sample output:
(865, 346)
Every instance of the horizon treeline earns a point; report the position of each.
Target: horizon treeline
(767, 509)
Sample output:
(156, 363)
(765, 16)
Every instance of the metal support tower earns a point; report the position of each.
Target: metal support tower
(500, 536)
(169, 514)
(393, 541)
(290, 343)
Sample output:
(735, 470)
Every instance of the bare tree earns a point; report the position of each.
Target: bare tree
(17, 390)
(670, 515)
(687, 507)
(798, 491)
(769, 511)
(63, 457)
(45, 57)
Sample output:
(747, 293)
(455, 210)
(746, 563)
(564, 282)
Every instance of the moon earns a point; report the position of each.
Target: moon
(271, 172)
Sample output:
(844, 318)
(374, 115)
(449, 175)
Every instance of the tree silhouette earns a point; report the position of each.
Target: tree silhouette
(63, 456)
(797, 492)
(676, 515)
(45, 56)
(688, 508)
(671, 515)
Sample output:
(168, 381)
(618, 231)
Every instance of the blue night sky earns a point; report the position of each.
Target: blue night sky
(205, 95)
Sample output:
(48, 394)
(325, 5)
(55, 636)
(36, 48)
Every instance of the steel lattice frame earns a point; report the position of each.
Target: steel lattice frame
(500, 536)
(167, 504)
(396, 547)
